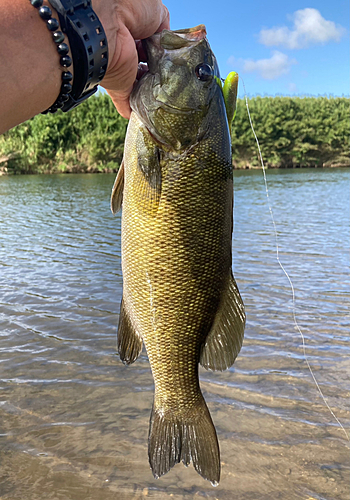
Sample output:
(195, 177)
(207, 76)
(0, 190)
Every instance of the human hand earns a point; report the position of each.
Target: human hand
(125, 22)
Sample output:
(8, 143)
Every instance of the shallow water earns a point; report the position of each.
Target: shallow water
(74, 420)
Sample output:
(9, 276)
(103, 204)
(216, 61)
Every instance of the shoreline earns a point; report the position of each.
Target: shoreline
(6, 170)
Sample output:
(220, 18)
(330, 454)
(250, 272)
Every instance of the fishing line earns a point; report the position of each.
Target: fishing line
(287, 275)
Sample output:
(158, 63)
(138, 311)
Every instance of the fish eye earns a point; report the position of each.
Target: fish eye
(204, 72)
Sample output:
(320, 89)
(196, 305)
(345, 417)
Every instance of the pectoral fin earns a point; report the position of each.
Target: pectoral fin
(148, 181)
(129, 342)
(224, 341)
(117, 191)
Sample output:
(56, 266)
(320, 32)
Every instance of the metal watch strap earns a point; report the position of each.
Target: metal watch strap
(88, 45)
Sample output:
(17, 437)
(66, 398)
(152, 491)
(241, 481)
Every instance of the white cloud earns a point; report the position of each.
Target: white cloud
(309, 28)
(269, 69)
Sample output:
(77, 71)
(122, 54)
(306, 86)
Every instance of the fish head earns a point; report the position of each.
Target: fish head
(173, 98)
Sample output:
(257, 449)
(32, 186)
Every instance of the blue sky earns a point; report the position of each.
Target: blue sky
(284, 48)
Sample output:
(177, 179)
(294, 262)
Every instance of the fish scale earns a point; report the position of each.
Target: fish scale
(179, 295)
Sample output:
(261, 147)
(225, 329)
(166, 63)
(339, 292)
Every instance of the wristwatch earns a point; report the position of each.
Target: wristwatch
(88, 46)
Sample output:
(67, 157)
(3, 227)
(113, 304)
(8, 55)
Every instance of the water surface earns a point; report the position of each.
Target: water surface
(74, 420)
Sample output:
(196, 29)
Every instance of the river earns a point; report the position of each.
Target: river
(74, 420)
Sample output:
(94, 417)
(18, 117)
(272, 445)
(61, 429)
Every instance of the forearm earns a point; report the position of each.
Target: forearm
(30, 71)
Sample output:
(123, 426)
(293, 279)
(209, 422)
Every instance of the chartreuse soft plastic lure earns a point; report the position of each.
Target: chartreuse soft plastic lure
(230, 96)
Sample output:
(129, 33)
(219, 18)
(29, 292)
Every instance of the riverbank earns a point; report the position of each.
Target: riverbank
(83, 169)
(293, 133)
(7, 168)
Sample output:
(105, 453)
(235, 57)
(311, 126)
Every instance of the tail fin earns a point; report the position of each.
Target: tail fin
(188, 436)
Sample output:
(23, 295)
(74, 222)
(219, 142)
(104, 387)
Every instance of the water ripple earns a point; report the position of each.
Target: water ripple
(72, 416)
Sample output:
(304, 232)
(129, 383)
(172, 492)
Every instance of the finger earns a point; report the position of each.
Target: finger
(122, 71)
(121, 102)
(165, 21)
(153, 17)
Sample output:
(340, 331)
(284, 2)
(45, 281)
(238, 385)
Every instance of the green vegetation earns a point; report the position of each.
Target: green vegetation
(293, 132)
(90, 138)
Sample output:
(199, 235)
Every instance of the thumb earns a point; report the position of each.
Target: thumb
(121, 101)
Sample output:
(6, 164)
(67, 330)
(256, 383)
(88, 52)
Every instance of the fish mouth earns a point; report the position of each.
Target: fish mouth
(150, 50)
(177, 111)
(188, 36)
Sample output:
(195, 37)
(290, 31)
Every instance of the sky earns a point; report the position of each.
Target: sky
(277, 47)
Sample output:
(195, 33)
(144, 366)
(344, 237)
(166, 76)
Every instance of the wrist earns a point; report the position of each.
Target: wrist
(89, 49)
(50, 19)
(107, 14)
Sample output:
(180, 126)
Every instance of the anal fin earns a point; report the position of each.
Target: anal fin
(224, 341)
(129, 343)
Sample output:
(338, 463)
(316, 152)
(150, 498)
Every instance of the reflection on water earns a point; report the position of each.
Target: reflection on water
(74, 420)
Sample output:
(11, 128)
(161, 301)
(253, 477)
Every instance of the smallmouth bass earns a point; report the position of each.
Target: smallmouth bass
(179, 295)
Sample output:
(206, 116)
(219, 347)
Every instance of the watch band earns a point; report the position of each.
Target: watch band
(88, 46)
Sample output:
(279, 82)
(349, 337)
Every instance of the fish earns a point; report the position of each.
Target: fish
(180, 299)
